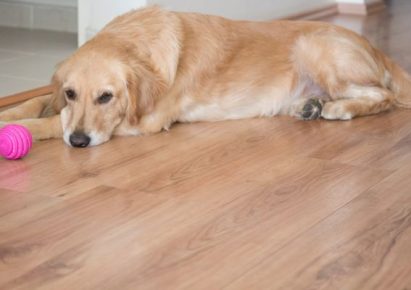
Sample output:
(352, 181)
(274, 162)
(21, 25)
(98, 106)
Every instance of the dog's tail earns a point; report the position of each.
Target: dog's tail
(400, 83)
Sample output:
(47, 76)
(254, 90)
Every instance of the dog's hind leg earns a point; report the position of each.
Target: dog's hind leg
(33, 108)
(358, 101)
(350, 72)
(362, 101)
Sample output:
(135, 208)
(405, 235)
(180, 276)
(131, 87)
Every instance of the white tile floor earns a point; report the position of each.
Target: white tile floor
(28, 57)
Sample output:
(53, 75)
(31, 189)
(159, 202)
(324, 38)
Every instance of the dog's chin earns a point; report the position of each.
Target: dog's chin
(95, 138)
(98, 138)
(66, 137)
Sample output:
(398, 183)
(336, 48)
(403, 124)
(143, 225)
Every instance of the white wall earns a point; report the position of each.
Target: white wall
(95, 14)
(245, 9)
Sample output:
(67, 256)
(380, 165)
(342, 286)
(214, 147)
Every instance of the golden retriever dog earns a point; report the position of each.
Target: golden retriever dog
(150, 68)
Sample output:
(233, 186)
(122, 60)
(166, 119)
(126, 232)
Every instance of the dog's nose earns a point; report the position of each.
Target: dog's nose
(78, 139)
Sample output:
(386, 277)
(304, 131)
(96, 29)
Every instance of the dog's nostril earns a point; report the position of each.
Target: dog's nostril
(79, 139)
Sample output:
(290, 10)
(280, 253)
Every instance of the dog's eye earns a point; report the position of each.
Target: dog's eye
(70, 94)
(105, 98)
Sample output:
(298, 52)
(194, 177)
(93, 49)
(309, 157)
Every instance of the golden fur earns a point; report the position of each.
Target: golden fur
(163, 67)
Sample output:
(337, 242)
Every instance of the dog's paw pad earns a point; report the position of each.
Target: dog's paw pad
(312, 109)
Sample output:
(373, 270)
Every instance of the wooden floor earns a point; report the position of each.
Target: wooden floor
(253, 204)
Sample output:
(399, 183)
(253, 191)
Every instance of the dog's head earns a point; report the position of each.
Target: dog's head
(116, 77)
(93, 96)
(96, 90)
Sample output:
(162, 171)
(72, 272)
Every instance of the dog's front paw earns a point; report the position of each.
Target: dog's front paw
(311, 110)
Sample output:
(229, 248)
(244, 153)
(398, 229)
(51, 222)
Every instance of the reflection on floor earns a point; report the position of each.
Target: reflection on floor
(28, 57)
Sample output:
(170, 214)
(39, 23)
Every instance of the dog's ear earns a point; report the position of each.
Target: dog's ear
(144, 87)
(163, 51)
(154, 63)
(132, 113)
(58, 101)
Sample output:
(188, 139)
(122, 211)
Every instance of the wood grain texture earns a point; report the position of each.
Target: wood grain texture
(250, 204)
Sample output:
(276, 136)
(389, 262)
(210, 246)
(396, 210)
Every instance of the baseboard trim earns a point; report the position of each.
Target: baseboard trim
(360, 9)
(314, 14)
(375, 7)
(24, 96)
(340, 8)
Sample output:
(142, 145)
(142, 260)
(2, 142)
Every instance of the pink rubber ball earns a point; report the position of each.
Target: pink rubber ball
(15, 141)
